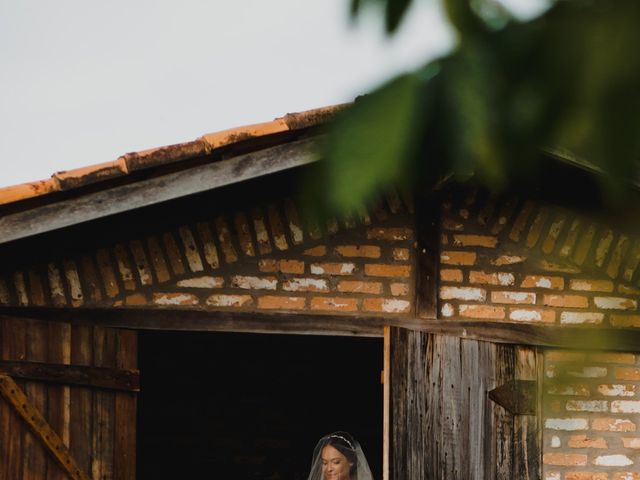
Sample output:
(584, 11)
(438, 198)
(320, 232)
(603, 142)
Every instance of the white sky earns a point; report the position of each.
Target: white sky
(83, 82)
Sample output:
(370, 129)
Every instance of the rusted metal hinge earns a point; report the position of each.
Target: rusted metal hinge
(518, 397)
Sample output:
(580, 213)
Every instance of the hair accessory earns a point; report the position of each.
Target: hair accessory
(344, 440)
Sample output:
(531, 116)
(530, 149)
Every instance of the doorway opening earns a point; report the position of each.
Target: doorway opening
(245, 406)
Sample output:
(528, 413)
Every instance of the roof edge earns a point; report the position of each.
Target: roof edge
(155, 157)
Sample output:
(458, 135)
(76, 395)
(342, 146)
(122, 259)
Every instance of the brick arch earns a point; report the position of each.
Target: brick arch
(511, 259)
(262, 257)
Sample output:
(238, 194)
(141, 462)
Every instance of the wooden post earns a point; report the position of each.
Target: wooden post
(386, 409)
(32, 416)
(124, 462)
(428, 237)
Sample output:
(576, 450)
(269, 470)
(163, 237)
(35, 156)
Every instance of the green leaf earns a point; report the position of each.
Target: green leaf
(396, 10)
(568, 79)
(354, 8)
(372, 143)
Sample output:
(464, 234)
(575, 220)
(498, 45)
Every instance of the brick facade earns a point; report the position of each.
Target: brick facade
(260, 259)
(519, 261)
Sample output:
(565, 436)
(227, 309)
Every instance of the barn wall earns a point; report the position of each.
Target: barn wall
(503, 259)
(512, 260)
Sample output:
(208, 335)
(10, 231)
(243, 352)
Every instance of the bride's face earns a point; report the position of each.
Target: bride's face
(335, 465)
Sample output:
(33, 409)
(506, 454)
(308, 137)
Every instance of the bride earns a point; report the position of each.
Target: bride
(338, 456)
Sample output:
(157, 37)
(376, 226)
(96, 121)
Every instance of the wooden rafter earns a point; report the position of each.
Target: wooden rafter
(40, 427)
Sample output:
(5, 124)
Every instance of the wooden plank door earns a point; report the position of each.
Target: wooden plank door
(441, 422)
(97, 425)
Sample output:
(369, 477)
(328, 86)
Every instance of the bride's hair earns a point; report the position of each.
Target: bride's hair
(345, 444)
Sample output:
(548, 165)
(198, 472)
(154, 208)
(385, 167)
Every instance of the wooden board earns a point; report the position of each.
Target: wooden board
(443, 425)
(86, 376)
(81, 401)
(5, 412)
(528, 428)
(582, 338)
(104, 406)
(386, 414)
(125, 410)
(58, 396)
(13, 431)
(35, 457)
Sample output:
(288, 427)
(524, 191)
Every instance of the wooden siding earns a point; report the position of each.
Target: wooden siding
(443, 424)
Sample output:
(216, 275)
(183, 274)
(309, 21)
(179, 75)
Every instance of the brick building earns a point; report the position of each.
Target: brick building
(509, 321)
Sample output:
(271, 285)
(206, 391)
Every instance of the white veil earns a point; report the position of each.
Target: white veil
(350, 448)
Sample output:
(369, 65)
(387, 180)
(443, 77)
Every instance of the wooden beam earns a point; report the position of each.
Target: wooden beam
(155, 190)
(43, 431)
(518, 397)
(94, 377)
(306, 323)
(386, 404)
(428, 237)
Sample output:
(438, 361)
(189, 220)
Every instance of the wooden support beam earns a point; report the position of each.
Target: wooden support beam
(94, 377)
(519, 397)
(307, 323)
(386, 406)
(428, 238)
(42, 430)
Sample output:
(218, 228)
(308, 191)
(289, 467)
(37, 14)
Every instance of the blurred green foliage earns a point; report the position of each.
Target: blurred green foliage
(568, 79)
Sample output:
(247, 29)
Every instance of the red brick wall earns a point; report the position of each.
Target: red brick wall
(520, 261)
(525, 262)
(591, 416)
(259, 259)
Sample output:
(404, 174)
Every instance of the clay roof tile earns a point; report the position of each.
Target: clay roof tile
(79, 177)
(16, 193)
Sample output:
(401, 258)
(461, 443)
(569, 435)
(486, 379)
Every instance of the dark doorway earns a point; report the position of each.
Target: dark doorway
(249, 406)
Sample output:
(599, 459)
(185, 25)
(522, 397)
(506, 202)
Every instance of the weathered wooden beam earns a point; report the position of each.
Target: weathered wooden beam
(43, 431)
(428, 238)
(155, 190)
(518, 397)
(95, 377)
(386, 406)
(581, 338)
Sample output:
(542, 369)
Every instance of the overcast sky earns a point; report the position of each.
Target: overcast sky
(83, 81)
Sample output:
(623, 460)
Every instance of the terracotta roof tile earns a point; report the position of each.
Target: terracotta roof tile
(234, 135)
(78, 177)
(15, 193)
(297, 121)
(164, 155)
(130, 162)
